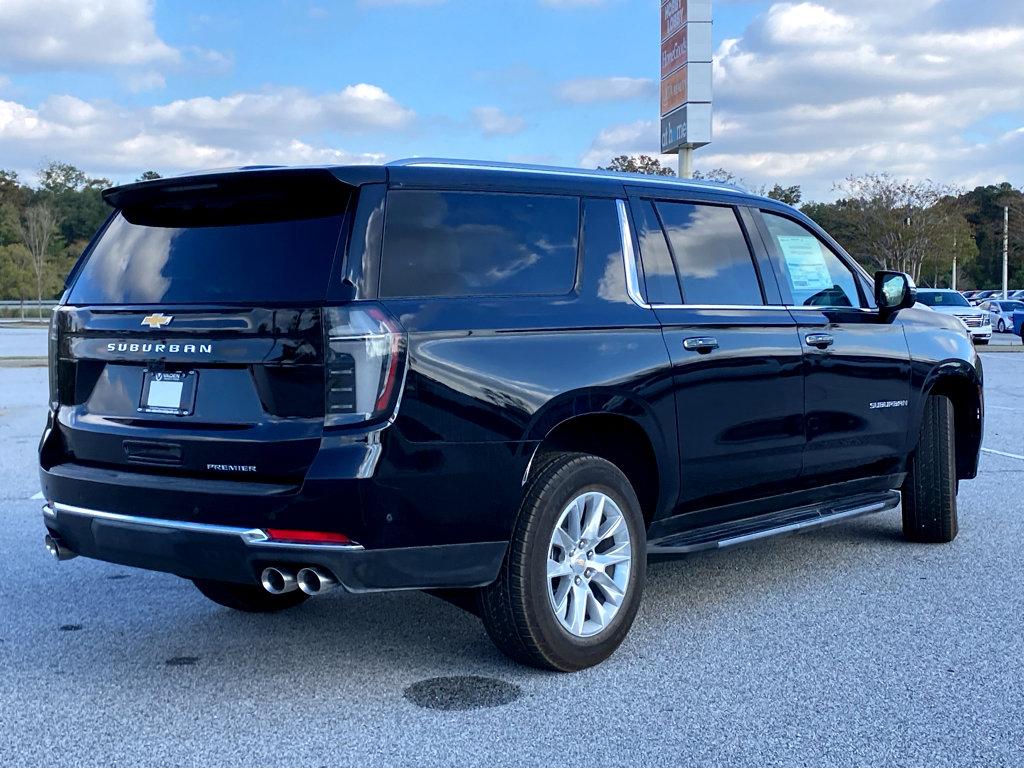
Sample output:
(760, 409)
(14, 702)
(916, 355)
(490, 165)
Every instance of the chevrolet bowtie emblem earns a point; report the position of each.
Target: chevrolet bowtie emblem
(157, 320)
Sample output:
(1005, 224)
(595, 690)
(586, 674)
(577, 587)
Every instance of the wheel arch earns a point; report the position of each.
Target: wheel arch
(962, 384)
(624, 441)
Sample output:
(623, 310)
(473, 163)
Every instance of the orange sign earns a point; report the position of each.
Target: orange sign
(673, 53)
(673, 90)
(673, 16)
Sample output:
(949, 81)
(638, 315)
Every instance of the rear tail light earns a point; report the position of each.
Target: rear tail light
(365, 361)
(52, 362)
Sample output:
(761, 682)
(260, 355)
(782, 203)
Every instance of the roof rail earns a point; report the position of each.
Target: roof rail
(622, 176)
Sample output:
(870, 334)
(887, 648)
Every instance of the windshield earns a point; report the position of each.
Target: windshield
(942, 299)
(196, 258)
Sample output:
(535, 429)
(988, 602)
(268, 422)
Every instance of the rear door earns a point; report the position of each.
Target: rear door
(191, 340)
(734, 349)
(857, 363)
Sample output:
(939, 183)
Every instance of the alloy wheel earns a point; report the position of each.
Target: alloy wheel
(588, 566)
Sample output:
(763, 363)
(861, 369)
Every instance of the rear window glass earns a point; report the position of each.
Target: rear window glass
(478, 244)
(187, 258)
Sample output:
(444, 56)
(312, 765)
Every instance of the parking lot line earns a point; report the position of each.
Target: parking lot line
(1004, 454)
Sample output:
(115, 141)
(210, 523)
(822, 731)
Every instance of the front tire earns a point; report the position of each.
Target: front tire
(248, 598)
(1001, 326)
(929, 491)
(572, 580)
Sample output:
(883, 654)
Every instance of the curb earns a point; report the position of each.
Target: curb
(23, 362)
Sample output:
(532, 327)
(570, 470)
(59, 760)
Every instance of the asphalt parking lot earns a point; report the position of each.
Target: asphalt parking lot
(842, 646)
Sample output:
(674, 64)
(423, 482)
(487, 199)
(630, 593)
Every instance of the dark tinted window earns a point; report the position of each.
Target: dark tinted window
(816, 276)
(163, 260)
(711, 254)
(478, 244)
(659, 274)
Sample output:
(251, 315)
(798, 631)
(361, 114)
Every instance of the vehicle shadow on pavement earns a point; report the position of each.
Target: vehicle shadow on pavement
(423, 635)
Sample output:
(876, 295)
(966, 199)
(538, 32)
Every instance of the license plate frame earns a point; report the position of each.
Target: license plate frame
(169, 392)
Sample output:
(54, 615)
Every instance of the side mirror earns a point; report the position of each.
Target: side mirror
(894, 291)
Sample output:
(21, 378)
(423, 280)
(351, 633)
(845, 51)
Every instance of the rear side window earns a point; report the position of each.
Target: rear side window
(816, 276)
(711, 255)
(478, 244)
(197, 258)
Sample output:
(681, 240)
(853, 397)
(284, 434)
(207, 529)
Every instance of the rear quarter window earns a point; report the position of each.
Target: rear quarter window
(478, 244)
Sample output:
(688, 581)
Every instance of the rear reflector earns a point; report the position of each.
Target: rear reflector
(308, 537)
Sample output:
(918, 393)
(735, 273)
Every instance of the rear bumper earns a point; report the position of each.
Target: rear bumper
(236, 554)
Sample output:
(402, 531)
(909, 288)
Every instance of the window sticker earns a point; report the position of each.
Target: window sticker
(806, 262)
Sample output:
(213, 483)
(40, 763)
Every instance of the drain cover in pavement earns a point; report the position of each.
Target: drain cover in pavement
(461, 693)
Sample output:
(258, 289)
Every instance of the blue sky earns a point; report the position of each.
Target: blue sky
(806, 92)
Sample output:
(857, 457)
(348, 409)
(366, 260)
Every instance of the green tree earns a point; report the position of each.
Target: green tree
(15, 273)
(638, 164)
(985, 214)
(148, 176)
(717, 175)
(889, 223)
(58, 178)
(38, 232)
(789, 195)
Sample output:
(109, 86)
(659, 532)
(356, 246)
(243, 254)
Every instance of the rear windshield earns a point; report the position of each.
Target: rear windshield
(192, 257)
(942, 299)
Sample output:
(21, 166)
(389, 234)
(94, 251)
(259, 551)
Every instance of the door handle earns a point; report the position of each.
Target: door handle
(702, 344)
(821, 341)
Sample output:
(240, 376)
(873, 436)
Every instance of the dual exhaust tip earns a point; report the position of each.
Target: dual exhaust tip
(311, 580)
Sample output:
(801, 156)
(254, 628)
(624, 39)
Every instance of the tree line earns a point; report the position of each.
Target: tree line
(44, 228)
(917, 227)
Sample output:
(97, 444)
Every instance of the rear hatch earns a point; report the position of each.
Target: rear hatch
(192, 340)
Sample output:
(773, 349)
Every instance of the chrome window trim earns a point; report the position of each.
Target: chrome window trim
(629, 256)
(718, 307)
(252, 537)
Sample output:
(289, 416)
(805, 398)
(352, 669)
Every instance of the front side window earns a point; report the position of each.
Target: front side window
(478, 244)
(816, 276)
(711, 255)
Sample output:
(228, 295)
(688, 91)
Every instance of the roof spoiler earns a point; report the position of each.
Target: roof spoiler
(242, 182)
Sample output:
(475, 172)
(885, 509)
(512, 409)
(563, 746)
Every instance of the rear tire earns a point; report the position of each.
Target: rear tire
(248, 598)
(929, 491)
(519, 609)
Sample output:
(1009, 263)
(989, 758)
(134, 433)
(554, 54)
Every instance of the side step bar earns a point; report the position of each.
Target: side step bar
(772, 524)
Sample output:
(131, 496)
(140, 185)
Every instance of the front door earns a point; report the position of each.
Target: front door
(737, 364)
(857, 364)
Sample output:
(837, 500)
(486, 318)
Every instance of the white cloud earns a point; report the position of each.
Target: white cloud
(286, 111)
(814, 91)
(280, 126)
(492, 121)
(63, 34)
(598, 89)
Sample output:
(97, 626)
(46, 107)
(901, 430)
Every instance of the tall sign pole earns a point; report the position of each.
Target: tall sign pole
(685, 79)
(1006, 248)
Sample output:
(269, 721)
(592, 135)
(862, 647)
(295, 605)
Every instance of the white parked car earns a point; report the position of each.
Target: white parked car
(950, 302)
(1000, 312)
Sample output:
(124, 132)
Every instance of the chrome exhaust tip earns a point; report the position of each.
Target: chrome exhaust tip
(315, 581)
(277, 581)
(58, 549)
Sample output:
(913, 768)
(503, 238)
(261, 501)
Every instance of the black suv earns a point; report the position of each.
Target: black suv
(508, 385)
